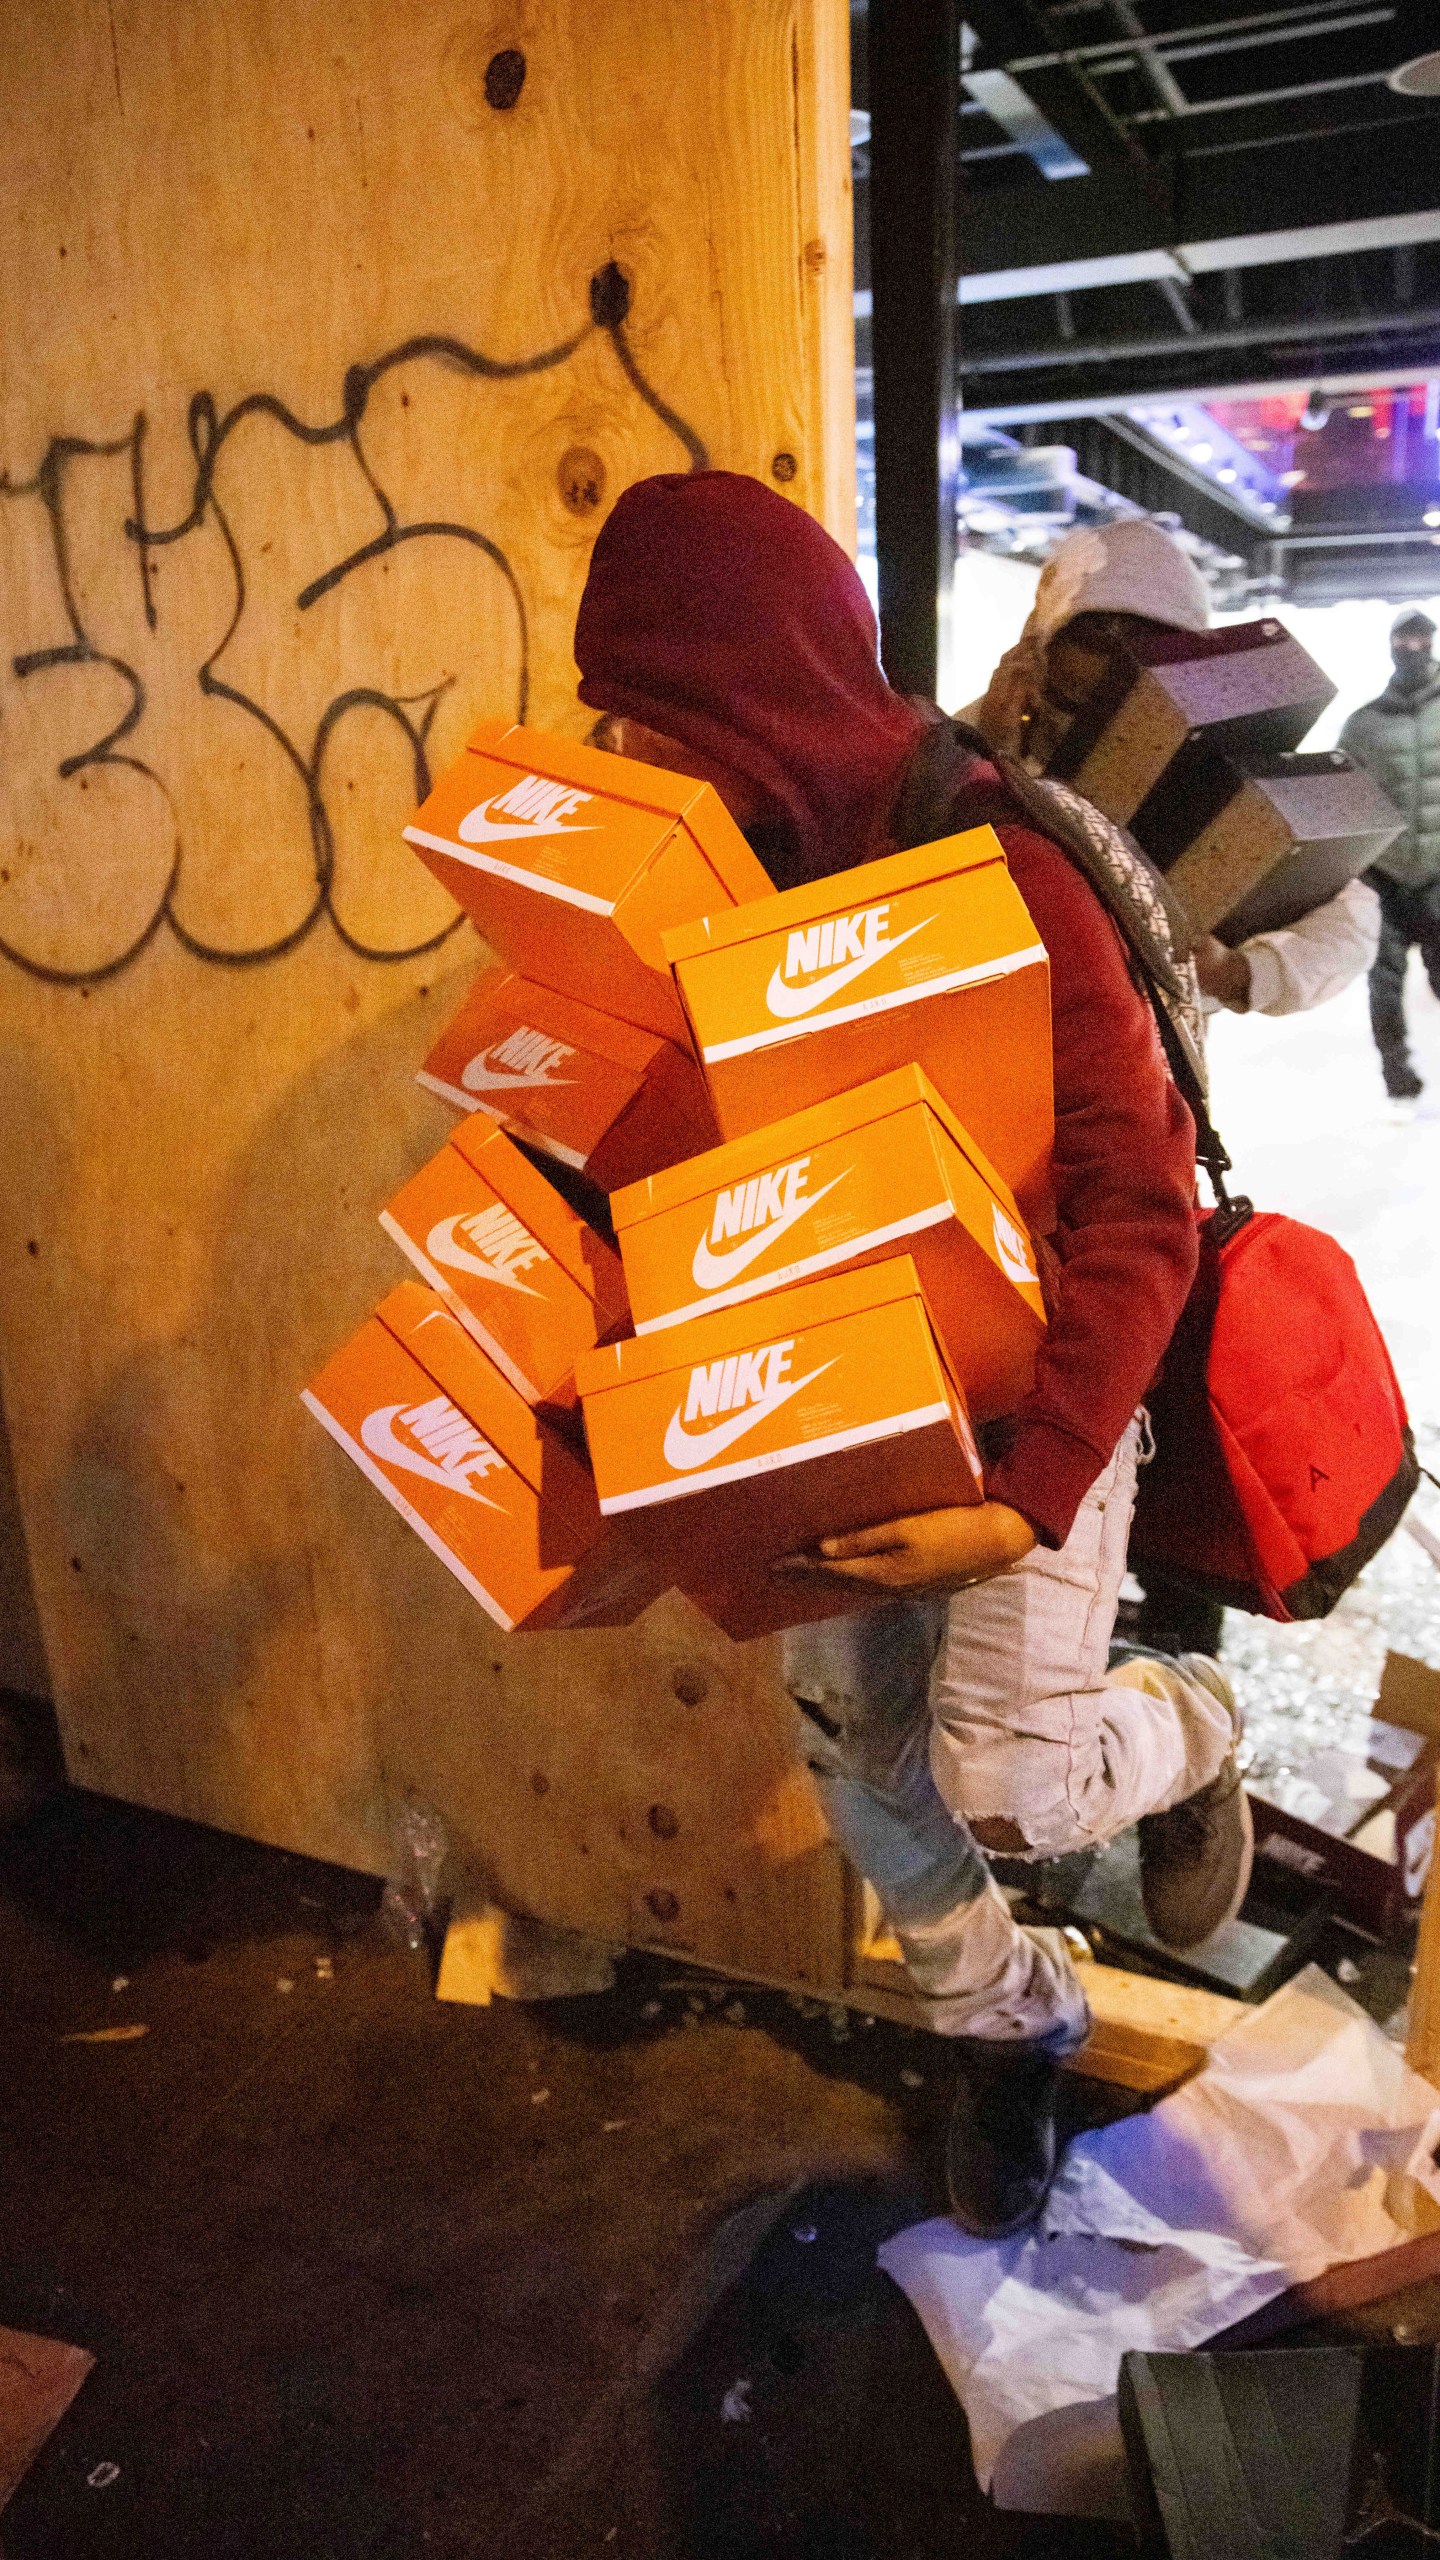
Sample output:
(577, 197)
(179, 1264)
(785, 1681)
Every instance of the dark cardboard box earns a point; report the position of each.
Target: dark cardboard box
(1250, 686)
(1361, 1831)
(1251, 843)
(1285, 2454)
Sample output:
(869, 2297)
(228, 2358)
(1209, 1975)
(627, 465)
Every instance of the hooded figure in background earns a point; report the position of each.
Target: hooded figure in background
(1100, 580)
(723, 634)
(1397, 738)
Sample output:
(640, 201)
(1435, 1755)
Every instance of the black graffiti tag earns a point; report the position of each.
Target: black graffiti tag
(413, 714)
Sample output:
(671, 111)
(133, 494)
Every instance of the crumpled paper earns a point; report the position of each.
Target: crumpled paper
(1302, 2143)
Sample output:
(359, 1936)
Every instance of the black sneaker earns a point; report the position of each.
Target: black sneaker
(1000, 2149)
(1401, 1082)
(1195, 1860)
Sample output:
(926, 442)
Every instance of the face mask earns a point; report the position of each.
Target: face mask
(1413, 668)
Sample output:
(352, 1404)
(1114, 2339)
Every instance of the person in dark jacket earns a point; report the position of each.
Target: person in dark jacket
(972, 1707)
(1397, 738)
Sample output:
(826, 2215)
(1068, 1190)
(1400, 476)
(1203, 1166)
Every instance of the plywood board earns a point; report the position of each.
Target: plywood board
(334, 328)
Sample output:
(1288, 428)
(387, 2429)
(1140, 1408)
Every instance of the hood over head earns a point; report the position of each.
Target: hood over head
(1129, 567)
(721, 614)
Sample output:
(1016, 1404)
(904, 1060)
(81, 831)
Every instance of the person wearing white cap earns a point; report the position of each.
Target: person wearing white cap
(1102, 578)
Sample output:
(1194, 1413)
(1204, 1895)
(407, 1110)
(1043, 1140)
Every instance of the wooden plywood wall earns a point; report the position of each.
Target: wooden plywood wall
(332, 329)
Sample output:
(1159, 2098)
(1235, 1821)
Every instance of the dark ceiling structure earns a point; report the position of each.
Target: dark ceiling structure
(1258, 202)
(1140, 202)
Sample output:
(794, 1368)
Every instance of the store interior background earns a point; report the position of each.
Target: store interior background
(1299, 1099)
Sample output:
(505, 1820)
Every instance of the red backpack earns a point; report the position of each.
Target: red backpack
(1283, 1455)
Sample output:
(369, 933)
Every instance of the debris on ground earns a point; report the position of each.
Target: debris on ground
(736, 2404)
(39, 2378)
(1305, 2143)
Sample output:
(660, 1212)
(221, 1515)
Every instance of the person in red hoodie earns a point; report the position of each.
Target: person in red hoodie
(723, 634)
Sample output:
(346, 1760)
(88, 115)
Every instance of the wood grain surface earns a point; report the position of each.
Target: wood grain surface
(333, 332)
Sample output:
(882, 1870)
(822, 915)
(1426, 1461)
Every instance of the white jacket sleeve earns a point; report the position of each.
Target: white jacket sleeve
(1306, 963)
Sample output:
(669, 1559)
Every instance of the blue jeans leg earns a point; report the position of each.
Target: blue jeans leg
(863, 1688)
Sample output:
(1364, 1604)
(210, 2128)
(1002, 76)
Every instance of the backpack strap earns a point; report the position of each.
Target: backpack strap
(1134, 894)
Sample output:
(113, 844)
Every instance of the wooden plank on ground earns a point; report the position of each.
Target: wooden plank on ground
(1147, 2036)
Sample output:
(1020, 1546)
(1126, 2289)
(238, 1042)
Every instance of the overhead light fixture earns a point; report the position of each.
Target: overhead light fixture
(1201, 452)
(1418, 78)
(1291, 479)
(1227, 472)
(1431, 516)
(1315, 414)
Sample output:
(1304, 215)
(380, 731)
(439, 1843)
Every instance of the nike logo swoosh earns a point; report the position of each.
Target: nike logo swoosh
(443, 1245)
(712, 1270)
(1010, 1245)
(478, 1078)
(685, 1449)
(477, 827)
(790, 1002)
(378, 1434)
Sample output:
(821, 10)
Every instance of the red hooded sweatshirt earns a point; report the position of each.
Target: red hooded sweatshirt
(721, 614)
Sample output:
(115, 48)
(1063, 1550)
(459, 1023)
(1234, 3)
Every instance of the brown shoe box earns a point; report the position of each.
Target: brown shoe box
(1251, 686)
(1251, 843)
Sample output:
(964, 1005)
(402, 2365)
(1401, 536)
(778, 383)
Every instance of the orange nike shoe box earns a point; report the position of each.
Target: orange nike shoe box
(527, 1278)
(928, 956)
(746, 1435)
(494, 1493)
(882, 1170)
(572, 862)
(614, 1102)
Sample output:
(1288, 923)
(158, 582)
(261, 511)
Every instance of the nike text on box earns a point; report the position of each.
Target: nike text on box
(599, 1095)
(492, 1490)
(528, 1279)
(886, 1169)
(572, 863)
(927, 957)
(745, 1435)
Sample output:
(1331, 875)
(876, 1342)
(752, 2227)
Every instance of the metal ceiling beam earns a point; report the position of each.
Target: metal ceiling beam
(1272, 333)
(1205, 257)
(1126, 403)
(1305, 199)
(1221, 35)
(1175, 468)
(1260, 98)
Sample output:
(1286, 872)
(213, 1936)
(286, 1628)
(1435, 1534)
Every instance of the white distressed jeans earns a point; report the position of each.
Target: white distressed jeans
(996, 1707)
